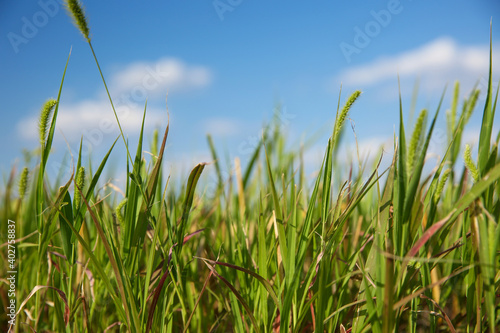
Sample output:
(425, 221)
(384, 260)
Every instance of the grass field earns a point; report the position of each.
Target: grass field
(400, 249)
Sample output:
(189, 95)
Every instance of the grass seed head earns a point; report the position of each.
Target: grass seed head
(23, 183)
(80, 182)
(45, 119)
(469, 163)
(472, 104)
(345, 110)
(75, 9)
(118, 211)
(440, 186)
(415, 138)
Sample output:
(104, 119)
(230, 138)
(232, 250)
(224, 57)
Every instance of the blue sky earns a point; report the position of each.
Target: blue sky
(226, 64)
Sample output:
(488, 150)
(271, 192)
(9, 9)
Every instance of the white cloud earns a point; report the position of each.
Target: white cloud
(143, 79)
(437, 63)
(223, 127)
(93, 119)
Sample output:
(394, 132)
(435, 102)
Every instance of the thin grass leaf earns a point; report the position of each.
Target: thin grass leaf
(474, 193)
(252, 163)
(129, 239)
(156, 296)
(211, 145)
(157, 291)
(67, 214)
(153, 179)
(50, 227)
(188, 202)
(80, 213)
(61, 294)
(482, 185)
(416, 173)
(205, 284)
(259, 278)
(420, 291)
(400, 225)
(237, 295)
(487, 122)
(121, 279)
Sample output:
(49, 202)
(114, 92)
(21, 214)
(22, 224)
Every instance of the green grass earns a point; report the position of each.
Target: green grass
(383, 250)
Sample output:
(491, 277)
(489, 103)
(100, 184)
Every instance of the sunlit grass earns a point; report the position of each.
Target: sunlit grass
(386, 250)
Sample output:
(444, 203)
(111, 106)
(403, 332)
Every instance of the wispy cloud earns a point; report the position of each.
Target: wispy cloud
(94, 118)
(437, 63)
(158, 77)
(223, 127)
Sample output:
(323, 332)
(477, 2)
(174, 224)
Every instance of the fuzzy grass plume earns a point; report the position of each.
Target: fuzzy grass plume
(75, 9)
(118, 211)
(471, 104)
(454, 106)
(343, 114)
(80, 183)
(440, 186)
(45, 119)
(415, 138)
(469, 163)
(23, 183)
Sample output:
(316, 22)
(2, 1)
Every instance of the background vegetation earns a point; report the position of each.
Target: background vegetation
(398, 249)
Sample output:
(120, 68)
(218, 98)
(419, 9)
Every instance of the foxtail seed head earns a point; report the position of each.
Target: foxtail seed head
(469, 163)
(45, 119)
(80, 182)
(440, 186)
(472, 104)
(23, 183)
(118, 211)
(76, 11)
(343, 114)
(415, 138)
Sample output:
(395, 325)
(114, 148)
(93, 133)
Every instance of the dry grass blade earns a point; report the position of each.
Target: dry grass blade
(156, 296)
(158, 289)
(205, 284)
(125, 292)
(238, 296)
(264, 282)
(445, 316)
(61, 294)
(419, 292)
